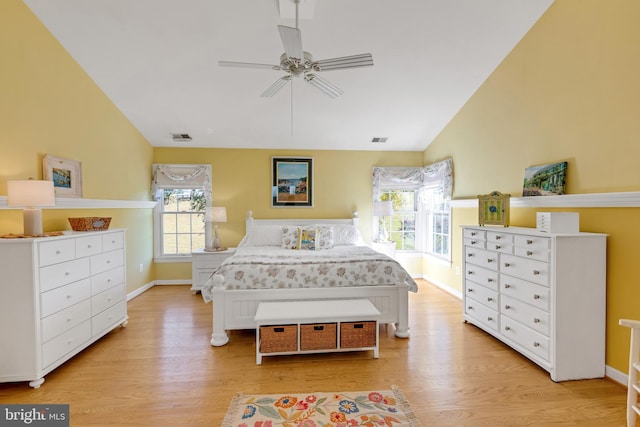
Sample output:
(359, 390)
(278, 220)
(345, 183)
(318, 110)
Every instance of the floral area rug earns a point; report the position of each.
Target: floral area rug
(387, 408)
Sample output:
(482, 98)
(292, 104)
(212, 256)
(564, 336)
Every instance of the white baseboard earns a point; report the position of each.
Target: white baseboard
(139, 291)
(615, 375)
(445, 287)
(173, 282)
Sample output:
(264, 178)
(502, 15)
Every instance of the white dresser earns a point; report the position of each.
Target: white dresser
(58, 295)
(204, 263)
(543, 294)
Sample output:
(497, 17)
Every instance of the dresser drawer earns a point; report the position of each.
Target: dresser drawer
(482, 294)
(63, 320)
(528, 269)
(106, 320)
(66, 342)
(482, 276)
(88, 245)
(61, 274)
(112, 241)
(499, 237)
(107, 261)
(65, 296)
(533, 247)
(528, 315)
(475, 243)
(103, 281)
(474, 234)
(481, 313)
(481, 257)
(532, 341)
(503, 247)
(56, 251)
(531, 293)
(108, 298)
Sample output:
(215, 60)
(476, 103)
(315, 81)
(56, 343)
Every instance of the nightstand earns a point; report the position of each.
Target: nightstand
(387, 248)
(203, 264)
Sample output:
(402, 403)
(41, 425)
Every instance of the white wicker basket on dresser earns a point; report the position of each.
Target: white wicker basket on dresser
(59, 295)
(543, 294)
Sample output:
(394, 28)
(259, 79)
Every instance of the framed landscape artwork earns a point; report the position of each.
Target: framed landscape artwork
(66, 175)
(292, 181)
(545, 180)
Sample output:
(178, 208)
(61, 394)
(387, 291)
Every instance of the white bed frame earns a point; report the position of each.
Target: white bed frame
(236, 309)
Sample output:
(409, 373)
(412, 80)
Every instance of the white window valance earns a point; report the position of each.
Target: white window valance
(180, 176)
(412, 178)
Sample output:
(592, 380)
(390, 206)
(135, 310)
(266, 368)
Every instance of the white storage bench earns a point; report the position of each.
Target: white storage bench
(296, 327)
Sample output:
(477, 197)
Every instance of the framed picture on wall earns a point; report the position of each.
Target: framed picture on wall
(66, 175)
(292, 182)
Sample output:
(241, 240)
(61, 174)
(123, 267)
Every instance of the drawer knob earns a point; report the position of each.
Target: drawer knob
(57, 252)
(89, 246)
(507, 328)
(536, 296)
(469, 272)
(469, 255)
(536, 320)
(68, 296)
(536, 272)
(529, 253)
(470, 307)
(507, 286)
(108, 262)
(536, 344)
(474, 242)
(529, 242)
(470, 290)
(473, 233)
(506, 264)
(489, 260)
(498, 237)
(489, 280)
(507, 307)
(489, 299)
(498, 247)
(489, 319)
(66, 273)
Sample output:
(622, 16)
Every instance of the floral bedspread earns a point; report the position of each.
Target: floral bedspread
(266, 267)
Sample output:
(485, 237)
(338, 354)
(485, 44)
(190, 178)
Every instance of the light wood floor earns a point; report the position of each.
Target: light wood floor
(160, 370)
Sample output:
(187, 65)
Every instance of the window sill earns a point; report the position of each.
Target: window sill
(168, 259)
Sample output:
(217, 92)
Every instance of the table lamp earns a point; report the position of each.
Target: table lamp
(31, 195)
(382, 209)
(218, 214)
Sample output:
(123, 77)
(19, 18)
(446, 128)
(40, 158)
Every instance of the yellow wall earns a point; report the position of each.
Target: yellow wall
(48, 105)
(241, 181)
(568, 91)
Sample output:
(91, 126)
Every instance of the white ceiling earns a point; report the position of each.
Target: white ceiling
(157, 60)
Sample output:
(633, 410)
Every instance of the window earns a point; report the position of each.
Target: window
(401, 225)
(438, 231)
(420, 200)
(182, 221)
(183, 193)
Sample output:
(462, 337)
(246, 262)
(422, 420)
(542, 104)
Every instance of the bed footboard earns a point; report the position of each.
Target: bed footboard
(235, 309)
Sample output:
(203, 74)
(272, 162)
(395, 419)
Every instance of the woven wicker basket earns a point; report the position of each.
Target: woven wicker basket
(279, 338)
(318, 336)
(89, 223)
(357, 334)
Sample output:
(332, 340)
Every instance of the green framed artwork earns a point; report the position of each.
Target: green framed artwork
(493, 209)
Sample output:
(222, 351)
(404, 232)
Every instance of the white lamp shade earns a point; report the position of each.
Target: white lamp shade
(30, 193)
(216, 214)
(382, 208)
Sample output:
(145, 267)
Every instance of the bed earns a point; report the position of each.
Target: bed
(300, 260)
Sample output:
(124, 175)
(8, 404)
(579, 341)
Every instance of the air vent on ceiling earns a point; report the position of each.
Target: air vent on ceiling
(379, 140)
(181, 137)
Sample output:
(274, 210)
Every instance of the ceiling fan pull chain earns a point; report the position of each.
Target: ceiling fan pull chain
(291, 103)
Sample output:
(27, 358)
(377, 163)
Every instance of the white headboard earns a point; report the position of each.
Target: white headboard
(354, 220)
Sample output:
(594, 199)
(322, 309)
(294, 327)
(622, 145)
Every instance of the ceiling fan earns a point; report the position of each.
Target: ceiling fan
(295, 62)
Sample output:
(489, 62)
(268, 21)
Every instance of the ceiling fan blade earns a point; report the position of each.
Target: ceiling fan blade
(292, 41)
(248, 65)
(344, 62)
(325, 86)
(275, 87)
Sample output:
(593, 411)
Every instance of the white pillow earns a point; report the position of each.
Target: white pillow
(346, 234)
(325, 238)
(264, 235)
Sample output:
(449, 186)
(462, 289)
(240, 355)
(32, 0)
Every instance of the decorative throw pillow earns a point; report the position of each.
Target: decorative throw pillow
(307, 238)
(289, 237)
(325, 240)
